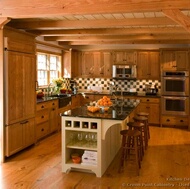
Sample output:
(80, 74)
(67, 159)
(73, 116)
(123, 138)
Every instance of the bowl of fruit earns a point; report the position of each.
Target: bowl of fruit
(104, 103)
(93, 109)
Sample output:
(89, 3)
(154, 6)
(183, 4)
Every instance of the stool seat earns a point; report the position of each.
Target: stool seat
(140, 118)
(129, 132)
(135, 124)
(143, 114)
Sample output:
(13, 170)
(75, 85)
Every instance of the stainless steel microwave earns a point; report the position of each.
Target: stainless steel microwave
(124, 71)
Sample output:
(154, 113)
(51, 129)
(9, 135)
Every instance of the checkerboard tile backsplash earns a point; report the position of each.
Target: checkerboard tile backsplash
(139, 85)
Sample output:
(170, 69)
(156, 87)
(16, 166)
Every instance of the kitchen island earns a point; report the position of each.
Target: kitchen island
(94, 136)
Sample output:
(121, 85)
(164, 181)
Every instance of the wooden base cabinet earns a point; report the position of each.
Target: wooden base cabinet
(151, 106)
(173, 121)
(46, 118)
(53, 122)
(19, 135)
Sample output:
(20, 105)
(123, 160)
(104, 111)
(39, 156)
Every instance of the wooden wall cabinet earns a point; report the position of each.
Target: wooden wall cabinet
(106, 69)
(71, 64)
(125, 57)
(148, 65)
(174, 60)
(96, 64)
(19, 135)
(87, 64)
(151, 106)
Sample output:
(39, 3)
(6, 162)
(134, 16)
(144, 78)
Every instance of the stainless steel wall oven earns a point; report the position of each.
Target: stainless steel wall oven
(175, 83)
(175, 93)
(172, 105)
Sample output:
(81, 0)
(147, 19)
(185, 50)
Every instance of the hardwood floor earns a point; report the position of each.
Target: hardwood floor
(166, 163)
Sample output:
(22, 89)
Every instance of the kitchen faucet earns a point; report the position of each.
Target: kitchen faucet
(48, 89)
(120, 100)
(111, 87)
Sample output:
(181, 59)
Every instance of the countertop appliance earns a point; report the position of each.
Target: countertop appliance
(124, 71)
(151, 89)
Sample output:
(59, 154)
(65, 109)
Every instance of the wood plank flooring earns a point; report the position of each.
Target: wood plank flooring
(166, 164)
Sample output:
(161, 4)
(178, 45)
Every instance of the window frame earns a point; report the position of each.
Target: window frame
(48, 54)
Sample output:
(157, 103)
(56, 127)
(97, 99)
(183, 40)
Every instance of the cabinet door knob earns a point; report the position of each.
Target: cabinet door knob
(53, 109)
(181, 120)
(147, 100)
(42, 117)
(42, 106)
(42, 129)
(167, 120)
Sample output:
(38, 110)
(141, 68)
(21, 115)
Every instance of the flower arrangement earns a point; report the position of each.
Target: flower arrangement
(58, 82)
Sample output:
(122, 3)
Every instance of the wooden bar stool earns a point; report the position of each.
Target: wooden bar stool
(129, 144)
(146, 115)
(143, 119)
(140, 127)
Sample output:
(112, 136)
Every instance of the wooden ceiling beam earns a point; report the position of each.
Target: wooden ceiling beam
(4, 21)
(178, 17)
(36, 8)
(110, 31)
(80, 24)
(72, 43)
(119, 37)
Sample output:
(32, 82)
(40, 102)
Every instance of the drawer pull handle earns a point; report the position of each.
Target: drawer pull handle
(42, 117)
(23, 122)
(181, 121)
(53, 103)
(167, 120)
(53, 109)
(42, 129)
(147, 100)
(42, 106)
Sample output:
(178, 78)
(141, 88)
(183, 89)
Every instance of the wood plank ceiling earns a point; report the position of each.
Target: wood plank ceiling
(96, 22)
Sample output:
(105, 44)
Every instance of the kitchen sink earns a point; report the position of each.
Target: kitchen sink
(63, 99)
(60, 95)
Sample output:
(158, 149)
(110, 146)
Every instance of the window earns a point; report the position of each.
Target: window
(48, 68)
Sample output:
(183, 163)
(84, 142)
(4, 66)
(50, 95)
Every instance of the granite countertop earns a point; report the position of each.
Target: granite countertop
(141, 94)
(44, 99)
(48, 98)
(115, 112)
